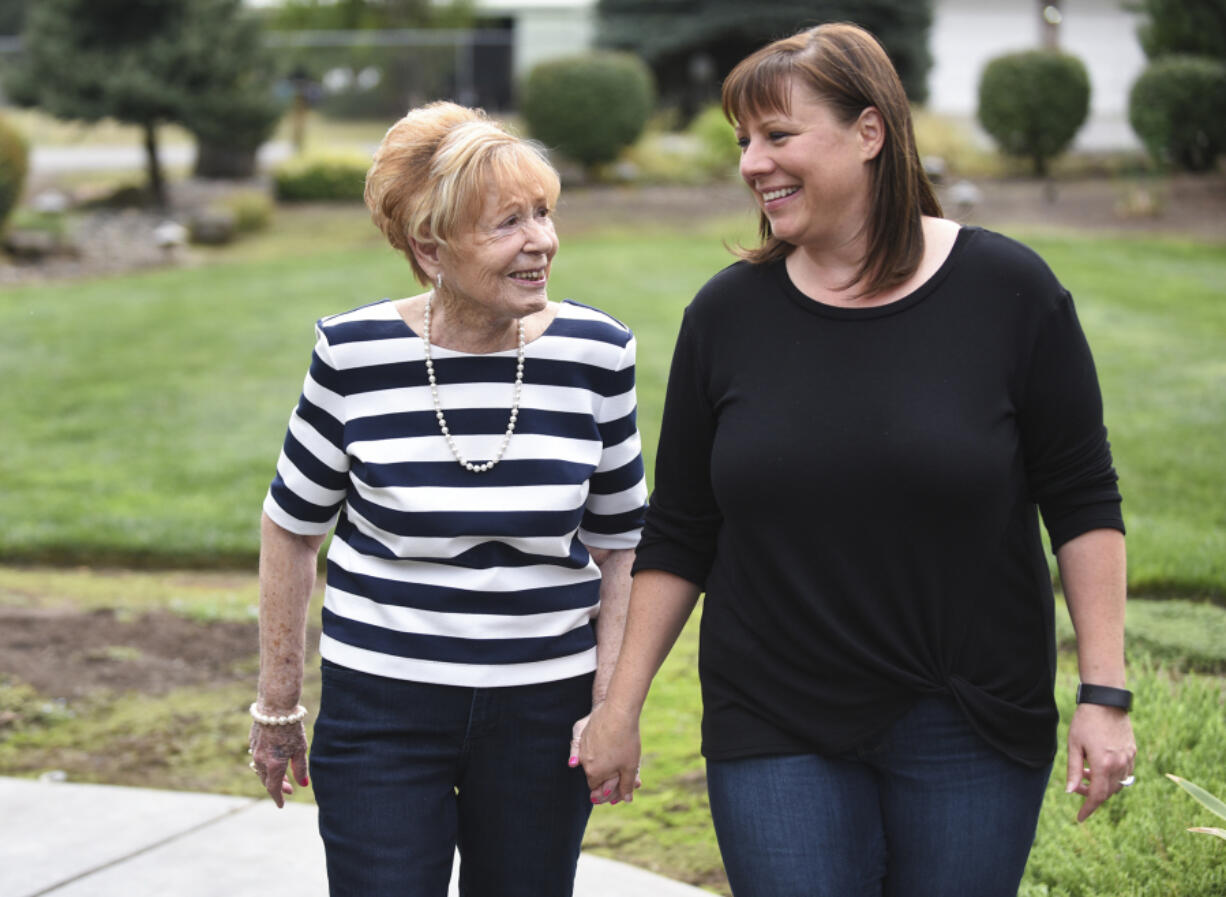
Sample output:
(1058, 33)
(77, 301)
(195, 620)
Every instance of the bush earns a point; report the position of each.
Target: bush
(1178, 109)
(719, 155)
(14, 165)
(1033, 103)
(322, 177)
(588, 107)
(252, 210)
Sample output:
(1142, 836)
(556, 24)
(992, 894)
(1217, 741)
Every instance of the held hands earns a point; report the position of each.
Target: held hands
(1101, 753)
(606, 743)
(274, 751)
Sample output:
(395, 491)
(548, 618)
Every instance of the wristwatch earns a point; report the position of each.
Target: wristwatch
(1105, 695)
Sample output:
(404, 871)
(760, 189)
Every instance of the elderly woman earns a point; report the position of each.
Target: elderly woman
(861, 417)
(475, 448)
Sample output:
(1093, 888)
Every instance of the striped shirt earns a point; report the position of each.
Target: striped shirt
(437, 574)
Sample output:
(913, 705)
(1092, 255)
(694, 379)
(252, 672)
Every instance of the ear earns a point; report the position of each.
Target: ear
(427, 255)
(870, 132)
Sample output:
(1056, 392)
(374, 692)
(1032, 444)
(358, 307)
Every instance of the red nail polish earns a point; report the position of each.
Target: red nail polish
(595, 800)
(608, 791)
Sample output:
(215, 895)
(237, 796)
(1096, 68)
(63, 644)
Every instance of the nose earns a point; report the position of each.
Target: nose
(755, 161)
(540, 236)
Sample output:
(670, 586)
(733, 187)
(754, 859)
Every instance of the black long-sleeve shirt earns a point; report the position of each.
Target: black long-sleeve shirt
(856, 488)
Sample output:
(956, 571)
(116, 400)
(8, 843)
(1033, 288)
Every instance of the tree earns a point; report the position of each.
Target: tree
(691, 45)
(1191, 27)
(144, 62)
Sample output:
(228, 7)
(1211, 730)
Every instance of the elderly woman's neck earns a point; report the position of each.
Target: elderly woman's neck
(465, 327)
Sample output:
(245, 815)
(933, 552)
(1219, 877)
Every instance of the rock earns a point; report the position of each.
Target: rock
(30, 245)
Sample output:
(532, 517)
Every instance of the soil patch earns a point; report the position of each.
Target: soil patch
(69, 654)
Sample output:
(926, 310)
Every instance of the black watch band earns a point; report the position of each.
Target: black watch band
(1105, 695)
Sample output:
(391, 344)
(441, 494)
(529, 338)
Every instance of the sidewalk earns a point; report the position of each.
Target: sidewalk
(68, 840)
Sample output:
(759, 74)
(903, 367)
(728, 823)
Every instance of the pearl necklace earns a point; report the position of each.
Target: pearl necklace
(438, 408)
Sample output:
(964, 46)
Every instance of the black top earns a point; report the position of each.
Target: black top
(855, 490)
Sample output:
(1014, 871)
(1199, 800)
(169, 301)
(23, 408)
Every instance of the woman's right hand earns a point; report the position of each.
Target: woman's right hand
(609, 751)
(275, 750)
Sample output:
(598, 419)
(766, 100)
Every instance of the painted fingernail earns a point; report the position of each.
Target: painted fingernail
(573, 761)
(595, 800)
(608, 791)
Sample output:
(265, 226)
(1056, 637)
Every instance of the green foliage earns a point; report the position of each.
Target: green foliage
(588, 107)
(1178, 109)
(1210, 802)
(1183, 26)
(1033, 103)
(322, 177)
(252, 210)
(672, 34)
(719, 154)
(148, 62)
(14, 165)
(1135, 845)
(347, 15)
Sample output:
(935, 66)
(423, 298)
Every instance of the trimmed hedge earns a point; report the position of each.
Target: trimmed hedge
(14, 165)
(1178, 109)
(1033, 103)
(316, 178)
(588, 107)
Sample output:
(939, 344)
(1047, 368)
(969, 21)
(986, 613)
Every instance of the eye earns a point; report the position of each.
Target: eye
(743, 143)
(544, 212)
(511, 221)
(778, 135)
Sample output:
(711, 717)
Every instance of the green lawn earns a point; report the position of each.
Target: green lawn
(146, 411)
(144, 414)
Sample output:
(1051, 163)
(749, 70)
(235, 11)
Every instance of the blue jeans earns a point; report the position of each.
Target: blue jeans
(928, 809)
(406, 772)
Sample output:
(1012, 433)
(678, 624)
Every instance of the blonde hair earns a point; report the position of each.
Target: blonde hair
(434, 168)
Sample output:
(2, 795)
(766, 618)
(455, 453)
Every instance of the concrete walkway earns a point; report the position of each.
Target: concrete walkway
(68, 840)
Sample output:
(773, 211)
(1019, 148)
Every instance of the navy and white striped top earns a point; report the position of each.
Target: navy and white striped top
(437, 574)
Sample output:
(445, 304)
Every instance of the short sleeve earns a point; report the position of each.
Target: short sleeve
(617, 491)
(312, 475)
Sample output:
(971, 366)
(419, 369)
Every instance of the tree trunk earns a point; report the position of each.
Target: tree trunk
(153, 165)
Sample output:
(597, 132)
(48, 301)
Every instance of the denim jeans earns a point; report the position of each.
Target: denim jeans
(928, 809)
(406, 772)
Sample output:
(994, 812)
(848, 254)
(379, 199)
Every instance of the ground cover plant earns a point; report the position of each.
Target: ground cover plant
(144, 417)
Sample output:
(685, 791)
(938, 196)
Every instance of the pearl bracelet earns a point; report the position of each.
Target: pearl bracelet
(289, 719)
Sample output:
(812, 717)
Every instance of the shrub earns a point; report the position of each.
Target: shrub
(322, 177)
(719, 154)
(252, 210)
(14, 164)
(588, 107)
(1033, 103)
(1178, 109)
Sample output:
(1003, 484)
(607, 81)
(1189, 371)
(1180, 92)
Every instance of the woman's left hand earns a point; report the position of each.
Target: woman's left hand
(605, 793)
(275, 750)
(1101, 754)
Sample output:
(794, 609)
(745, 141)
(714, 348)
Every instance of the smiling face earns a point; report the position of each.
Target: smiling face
(809, 172)
(499, 269)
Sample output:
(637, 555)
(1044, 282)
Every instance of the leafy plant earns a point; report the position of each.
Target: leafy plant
(322, 177)
(1033, 103)
(1213, 804)
(588, 107)
(1178, 109)
(14, 164)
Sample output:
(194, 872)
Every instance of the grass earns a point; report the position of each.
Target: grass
(195, 739)
(150, 407)
(147, 411)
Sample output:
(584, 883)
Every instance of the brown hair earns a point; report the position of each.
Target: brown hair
(431, 174)
(846, 68)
